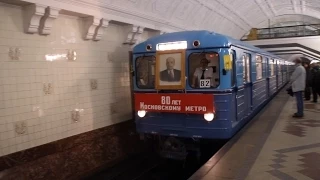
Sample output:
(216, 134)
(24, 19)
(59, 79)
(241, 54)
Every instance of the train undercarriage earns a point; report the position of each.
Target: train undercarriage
(181, 149)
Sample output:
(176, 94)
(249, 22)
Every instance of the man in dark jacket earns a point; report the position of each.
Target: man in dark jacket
(170, 74)
(314, 82)
(307, 91)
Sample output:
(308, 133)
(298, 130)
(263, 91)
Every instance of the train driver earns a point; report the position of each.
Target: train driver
(202, 72)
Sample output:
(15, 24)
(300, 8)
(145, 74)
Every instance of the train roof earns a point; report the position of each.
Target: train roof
(206, 38)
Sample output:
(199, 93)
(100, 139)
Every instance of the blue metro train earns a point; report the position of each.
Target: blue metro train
(201, 84)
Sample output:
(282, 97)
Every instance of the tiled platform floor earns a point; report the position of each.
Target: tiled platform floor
(275, 146)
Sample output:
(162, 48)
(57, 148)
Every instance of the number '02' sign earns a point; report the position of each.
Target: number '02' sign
(204, 83)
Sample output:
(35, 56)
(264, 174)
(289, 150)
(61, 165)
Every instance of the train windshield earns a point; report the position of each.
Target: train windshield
(204, 70)
(145, 69)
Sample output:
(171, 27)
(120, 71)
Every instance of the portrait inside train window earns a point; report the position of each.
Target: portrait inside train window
(170, 68)
(259, 67)
(246, 67)
(204, 70)
(145, 72)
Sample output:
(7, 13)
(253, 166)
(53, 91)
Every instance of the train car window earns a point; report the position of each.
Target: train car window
(264, 68)
(259, 67)
(145, 72)
(271, 65)
(286, 67)
(246, 67)
(279, 66)
(204, 71)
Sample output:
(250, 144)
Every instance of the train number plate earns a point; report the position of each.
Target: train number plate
(204, 83)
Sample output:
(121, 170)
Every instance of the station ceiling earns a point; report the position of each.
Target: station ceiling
(237, 17)
(231, 17)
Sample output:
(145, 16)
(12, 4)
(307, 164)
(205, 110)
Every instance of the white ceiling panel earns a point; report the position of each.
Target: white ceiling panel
(236, 17)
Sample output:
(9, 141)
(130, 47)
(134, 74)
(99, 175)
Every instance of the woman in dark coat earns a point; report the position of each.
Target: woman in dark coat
(315, 81)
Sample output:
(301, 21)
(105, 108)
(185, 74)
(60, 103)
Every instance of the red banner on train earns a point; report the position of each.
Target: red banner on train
(175, 103)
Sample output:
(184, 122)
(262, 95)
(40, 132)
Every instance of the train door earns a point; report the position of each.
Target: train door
(247, 82)
(131, 81)
(288, 72)
(277, 74)
(234, 83)
(267, 72)
(283, 73)
(272, 77)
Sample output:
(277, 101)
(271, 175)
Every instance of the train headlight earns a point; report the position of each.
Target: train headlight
(149, 47)
(142, 113)
(208, 116)
(196, 43)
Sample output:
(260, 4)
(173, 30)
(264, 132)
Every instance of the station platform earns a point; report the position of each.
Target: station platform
(273, 146)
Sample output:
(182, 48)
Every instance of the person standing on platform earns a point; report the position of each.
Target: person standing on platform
(307, 91)
(315, 82)
(298, 84)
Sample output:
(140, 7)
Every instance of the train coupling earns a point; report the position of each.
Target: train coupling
(173, 149)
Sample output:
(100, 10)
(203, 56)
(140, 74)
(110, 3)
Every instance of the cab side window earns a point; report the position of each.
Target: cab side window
(145, 72)
(204, 70)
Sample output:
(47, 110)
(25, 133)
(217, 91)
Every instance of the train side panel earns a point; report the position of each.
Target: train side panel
(253, 93)
(252, 90)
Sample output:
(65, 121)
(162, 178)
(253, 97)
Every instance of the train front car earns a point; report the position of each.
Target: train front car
(182, 87)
